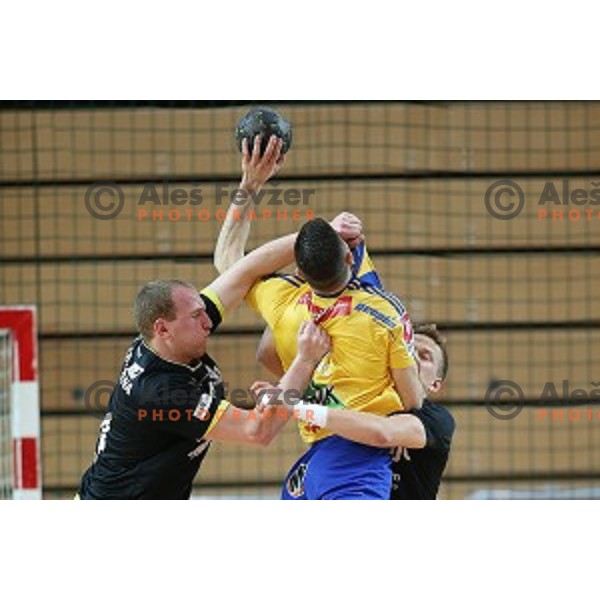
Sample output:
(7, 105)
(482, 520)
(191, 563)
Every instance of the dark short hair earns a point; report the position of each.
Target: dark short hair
(320, 254)
(431, 331)
(153, 301)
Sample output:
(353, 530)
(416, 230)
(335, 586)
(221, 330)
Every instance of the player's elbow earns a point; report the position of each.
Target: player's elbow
(406, 431)
(267, 358)
(384, 436)
(262, 356)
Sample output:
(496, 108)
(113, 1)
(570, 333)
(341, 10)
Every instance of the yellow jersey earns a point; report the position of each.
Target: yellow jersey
(370, 330)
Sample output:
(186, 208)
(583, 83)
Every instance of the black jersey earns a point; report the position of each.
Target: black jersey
(150, 443)
(417, 475)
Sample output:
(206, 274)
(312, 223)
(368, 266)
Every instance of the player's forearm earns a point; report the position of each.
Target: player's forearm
(262, 425)
(284, 407)
(266, 259)
(231, 244)
(271, 257)
(267, 425)
(235, 283)
(373, 430)
(409, 387)
(296, 380)
(245, 427)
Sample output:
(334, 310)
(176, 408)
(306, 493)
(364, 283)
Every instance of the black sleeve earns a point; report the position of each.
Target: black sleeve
(439, 425)
(212, 311)
(180, 404)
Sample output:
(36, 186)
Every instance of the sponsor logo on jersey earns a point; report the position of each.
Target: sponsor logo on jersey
(319, 393)
(389, 322)
(199, 449)
(341, 308)
(129, 375)
(295, 482)
(214, 373)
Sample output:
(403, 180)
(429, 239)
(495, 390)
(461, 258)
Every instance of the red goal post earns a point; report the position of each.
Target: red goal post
(23, 403)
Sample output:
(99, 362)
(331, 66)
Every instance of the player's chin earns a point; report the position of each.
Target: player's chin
(201, 347)
(201, 342)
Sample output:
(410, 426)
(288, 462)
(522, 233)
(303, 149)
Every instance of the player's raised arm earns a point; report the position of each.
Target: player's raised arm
(256, 171)
(235, 283)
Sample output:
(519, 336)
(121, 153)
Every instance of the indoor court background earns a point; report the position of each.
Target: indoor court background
(518, 299)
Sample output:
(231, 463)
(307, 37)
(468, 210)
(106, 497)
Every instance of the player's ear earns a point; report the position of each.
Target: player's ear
(349, 257)
(436, 386)
(160, 327)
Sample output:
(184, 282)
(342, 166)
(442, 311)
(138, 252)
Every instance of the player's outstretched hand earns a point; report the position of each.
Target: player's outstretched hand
(349, 227)
(257, 169)
(313, 342)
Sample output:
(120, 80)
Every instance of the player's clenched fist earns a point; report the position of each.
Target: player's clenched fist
(349, 227)
(313, 342)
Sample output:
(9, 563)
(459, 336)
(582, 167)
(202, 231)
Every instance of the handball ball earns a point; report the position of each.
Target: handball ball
(266, 122)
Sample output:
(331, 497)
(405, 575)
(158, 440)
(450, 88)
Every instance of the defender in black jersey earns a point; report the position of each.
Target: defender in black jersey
(163, 413)
(422, 436)
(418, 472)
(151, 442)
(168, 404)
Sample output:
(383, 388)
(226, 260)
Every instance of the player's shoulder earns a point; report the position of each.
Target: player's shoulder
(434, 411)
(284, 279)
(139, 363)
(158, 372)
(277, 286)
(380, 304)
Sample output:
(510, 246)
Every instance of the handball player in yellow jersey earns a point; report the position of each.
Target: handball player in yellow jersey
(371, 367)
